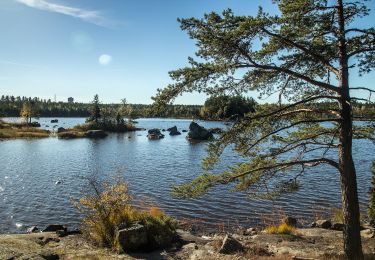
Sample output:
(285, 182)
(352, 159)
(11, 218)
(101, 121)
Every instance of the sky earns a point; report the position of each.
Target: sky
(114, 48)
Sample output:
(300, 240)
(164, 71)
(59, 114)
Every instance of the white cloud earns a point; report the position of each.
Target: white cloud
(105, 59)
(85, 15)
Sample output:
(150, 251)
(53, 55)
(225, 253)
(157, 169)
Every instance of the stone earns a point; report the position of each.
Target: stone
(250, 232)
(197, 132)
(61, 129)
(54, 121)
(154, 134)
(173, 131)
(337, 226)
(32, 229)
(54, 228)
(184, 131)
(368, 233)
(230, 246)
(96, 134)
(35, 124)
(290, 221)
(323, 223)
(133, 238)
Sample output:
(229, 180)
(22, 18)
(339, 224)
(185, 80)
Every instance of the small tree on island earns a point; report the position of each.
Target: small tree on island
(28, 111)
(95, 110)
(304, 56)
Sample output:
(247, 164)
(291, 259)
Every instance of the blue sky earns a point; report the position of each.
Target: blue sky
(114, 48)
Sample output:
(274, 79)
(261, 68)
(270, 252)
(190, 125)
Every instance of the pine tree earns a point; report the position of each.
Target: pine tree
(304, 55)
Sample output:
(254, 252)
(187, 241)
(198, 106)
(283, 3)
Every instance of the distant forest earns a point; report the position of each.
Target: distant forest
(11, 106)
(214, 108)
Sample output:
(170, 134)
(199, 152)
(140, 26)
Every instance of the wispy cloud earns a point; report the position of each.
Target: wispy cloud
(94, 17)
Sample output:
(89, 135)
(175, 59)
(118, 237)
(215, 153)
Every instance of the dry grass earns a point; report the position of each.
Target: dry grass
(283, 229)
(21, 131)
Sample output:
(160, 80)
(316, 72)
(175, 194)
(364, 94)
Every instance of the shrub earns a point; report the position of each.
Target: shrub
(281, 229)
(108, 206)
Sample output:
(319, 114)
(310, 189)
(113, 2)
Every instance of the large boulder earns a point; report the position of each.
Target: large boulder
(131, 239)
(173, 131)
(96, 134)
(197, 132)
(154, 134)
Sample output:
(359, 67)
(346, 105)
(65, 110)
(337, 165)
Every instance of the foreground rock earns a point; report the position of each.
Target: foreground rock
(197, 132)
(230, 246)
(132, 239)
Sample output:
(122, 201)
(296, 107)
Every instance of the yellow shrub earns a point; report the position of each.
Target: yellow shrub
(109, 208)
(281, 229)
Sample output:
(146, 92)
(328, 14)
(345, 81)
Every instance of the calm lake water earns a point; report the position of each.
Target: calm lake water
(29, 170)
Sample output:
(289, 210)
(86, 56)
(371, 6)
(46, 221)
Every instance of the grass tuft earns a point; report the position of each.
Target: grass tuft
(283, 229)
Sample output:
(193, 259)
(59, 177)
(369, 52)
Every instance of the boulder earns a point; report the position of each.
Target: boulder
(184, 131)
(61, 129)
(173, 131)
(32, 229)
(35, 124)
(322, 223)
(230, 246)
(54, 228)
(250, 232)
(96, 134)
(337, 226)
(290, 221)
(154, 134)
(197, 132)
(133, 238)
(54, 121)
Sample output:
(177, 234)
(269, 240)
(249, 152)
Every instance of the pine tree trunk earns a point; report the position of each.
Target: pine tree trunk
(349, 195)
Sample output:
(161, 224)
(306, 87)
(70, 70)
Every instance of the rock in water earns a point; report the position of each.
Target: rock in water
(198, 132)
(230, 246)
(290, 221)
(132, 238)
(154, 134)
(173, 131)
(96, 134)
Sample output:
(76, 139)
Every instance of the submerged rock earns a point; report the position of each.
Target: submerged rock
(54, 121)
(197, 132)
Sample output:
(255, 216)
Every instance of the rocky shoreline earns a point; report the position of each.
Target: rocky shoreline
(319, 242)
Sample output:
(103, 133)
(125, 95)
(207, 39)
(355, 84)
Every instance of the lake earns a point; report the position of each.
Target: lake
(30, 169)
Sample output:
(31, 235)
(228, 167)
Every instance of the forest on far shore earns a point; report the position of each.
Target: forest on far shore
(215, 108)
